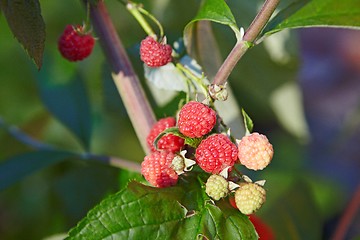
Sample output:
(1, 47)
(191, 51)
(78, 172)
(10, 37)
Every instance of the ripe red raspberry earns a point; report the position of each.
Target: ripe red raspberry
(168, 142)
(153, 53)
(196, 119)
(249, 197)
(215, 153)
(156, 168)
(75, 44)
(255, 151)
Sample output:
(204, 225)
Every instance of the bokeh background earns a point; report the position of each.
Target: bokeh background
(300, 87)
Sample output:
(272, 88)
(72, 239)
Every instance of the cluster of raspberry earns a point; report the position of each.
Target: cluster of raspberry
(191, 140)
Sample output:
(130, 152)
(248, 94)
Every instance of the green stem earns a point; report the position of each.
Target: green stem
(248, 40)
(194, 78)
(134, 9)
(146, 13)
(124, 76)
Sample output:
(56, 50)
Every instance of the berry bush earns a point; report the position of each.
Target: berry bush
(161, 120)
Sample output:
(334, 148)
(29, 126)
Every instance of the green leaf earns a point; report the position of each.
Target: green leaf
(18, 167)
(27, 25)
(67, 101)
(193, 142)
(210, 10)
(316, 13)
(249, 125)
(180, 212)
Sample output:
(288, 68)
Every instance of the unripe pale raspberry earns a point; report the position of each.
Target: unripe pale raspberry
(255, 151)
(178, 163)
(75, 44)
(167, 142)
(156, 168)
(153, 53)
(215, 153)
(249, 197)
(216, 187)
(196, 119)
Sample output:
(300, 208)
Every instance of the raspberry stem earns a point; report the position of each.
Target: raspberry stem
(194, 78)
(124, 76)
(247, 42)
(137, 11)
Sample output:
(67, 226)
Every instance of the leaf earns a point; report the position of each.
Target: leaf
(193, 142)
(166, 77)
(67, 101)
(211, 10)
(179, 212)
(27, 25)
(248, 122)
(22, 165)
(316, 13)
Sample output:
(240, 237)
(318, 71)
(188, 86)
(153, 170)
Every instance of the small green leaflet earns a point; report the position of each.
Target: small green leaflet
(247, 122)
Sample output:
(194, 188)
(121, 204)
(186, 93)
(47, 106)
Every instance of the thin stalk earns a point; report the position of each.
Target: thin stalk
(29, 141)
(348, 216)
(248, 40)
(194, 78)
(134, 10)
(126, 81)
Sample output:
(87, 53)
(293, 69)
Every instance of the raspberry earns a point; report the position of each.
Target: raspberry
(249, 197)
(216, 187)
(216, 153)
(264, 231)
(255, 151)
(168, 142)
(75, 44)
(196, 119)
(157, 171)
(153, 53)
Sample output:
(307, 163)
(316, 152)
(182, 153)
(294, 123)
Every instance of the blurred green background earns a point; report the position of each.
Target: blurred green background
(299, 87)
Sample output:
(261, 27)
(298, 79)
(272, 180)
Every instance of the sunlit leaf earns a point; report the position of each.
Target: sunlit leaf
(166, 77)
(27, 25)
(180, 212)
(316, 13)
(211, 10)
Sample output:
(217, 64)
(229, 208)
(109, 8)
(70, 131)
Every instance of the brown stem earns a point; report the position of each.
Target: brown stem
(249, 38)
(127, 82)
(350, 212)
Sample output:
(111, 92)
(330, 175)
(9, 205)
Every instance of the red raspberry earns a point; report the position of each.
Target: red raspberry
(255, 151)
(153, 53)
(264, 231)
(156, 168)
(75, 44)
(196, 119)
(168, 142)
(215, 153)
